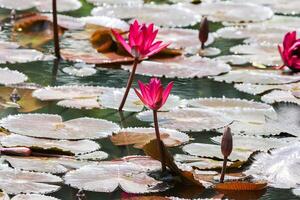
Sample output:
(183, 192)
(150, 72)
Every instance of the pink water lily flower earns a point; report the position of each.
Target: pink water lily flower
(141, 41)
(153, 95)
(290, 51)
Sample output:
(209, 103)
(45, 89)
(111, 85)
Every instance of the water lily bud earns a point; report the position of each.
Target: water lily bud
(226, 143)
(14, 96)
(17, 151)
(203, 31)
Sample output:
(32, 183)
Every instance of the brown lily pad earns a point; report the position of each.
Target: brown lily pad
(141, 136)
(241, 186)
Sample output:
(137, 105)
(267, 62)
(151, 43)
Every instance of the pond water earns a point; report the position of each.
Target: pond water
(41, 72)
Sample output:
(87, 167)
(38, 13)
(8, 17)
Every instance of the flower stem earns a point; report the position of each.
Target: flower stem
(129, 83)
(55, 30)
(161, 146)
(223, 169)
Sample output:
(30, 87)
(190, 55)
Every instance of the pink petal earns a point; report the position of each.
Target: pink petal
(140, 96)
(155, 51)
(121, 40)
(145, 92)
(167, 92)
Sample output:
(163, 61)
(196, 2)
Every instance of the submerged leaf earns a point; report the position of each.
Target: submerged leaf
(54, 127)
(26, 104)
(16, 181)
(128, 173)
(181, 67)
(141, 136)
(74, 147)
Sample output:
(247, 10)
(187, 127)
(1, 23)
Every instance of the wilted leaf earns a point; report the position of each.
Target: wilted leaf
(152, 150)
(73, 147)
(34, 31)
(181, 67)
(241, 186)
(188, 119)
(53, 126)
(128, 173)
(141, 136)
(16, 181)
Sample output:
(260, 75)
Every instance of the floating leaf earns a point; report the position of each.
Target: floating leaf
(107, 176)
(8, 76)
(182, 38)
(108, 22)
(80, 69)
(279, 168)
(26, 104)
(296, 191)
(41, 5)
(241, 186)
(251, 143)
(74, 147)
(8, 45)
(179, 16)
(202, 163)
(88, 103)
(208, 51)
(188, 119)
(237, 109)
(33, 197)
(287, 122)
(67, 22)
(115, 2)
(113, 97)
(279, 6)
(21, 56)
(259, 89)
(218, 11)
(68, 92)
(141, 136)
(269, 60)
(45, 164)
(54, 127)
(16, 181)
(277, 96)
(182, 67)
(96, 155)
(263, 77)
(214, 151)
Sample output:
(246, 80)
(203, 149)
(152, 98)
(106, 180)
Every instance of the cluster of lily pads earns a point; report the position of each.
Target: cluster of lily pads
(42, 152)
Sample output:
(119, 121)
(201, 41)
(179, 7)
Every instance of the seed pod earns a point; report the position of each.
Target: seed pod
(226, 144)
(203, 31)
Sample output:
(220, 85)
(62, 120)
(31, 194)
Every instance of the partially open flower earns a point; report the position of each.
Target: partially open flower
(141, 41)
(290, 51)
(153, 95)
